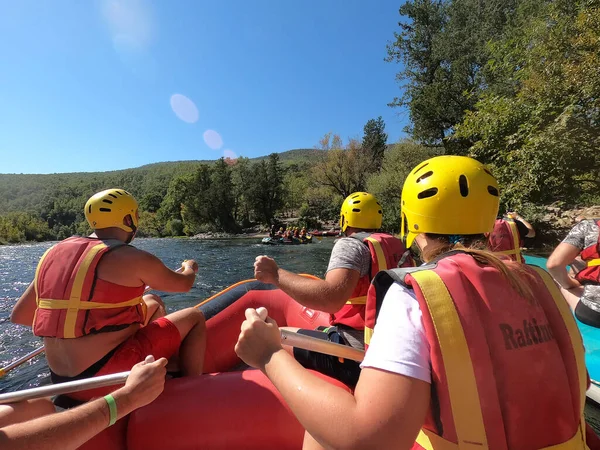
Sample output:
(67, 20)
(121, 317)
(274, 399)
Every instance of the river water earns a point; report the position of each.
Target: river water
(222, 263)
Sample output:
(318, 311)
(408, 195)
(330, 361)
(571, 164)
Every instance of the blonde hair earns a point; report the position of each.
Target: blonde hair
(514, 272)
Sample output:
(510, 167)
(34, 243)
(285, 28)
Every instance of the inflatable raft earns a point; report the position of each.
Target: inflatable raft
(241, 409)
(223, 409)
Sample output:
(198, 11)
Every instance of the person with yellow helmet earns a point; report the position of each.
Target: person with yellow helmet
(459, 346)
(354, 261)
(87, 300)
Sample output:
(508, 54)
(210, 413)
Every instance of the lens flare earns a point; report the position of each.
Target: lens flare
(213, 139)
(229, 154)
(184, 108)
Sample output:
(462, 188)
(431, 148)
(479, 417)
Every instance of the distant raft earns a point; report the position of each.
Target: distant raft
(285, 241)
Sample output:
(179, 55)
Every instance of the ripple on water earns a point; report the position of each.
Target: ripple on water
(222, 263)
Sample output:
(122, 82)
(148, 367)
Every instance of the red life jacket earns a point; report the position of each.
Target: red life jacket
(72, 301)
(505, 239)
(387, 252)
(506, 372)
(591, 255)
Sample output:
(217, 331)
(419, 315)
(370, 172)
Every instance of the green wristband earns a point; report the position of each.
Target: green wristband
(112, 409)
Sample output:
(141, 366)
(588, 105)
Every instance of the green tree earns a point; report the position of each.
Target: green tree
(375, 141)
(541, 132)
(442, 48)
(266, 191)
(387, 185)
(344, 169)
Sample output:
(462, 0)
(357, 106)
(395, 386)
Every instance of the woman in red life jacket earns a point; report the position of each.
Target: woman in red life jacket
(581, 250)
(459, 346)
(508, 236)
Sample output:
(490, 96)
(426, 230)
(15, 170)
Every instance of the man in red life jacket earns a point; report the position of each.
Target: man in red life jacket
(581, 250)
(354, 261)
(509, 234)
(87, 301)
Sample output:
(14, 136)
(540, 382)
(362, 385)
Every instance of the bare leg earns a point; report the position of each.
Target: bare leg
(155, 308)
(24, 411)
(310, 443)
(192, 329)
(572, 296)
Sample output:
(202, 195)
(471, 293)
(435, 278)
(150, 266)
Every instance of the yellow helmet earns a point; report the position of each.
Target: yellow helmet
(448, 195)
(361, 210)
(109, 208)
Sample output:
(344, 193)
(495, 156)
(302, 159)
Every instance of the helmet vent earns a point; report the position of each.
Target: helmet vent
(356, 202)
(425, 175)
(89, 209)
(380, 212)
(107, 201)
(487, 171)
(492, 190)
(113, 195)
(417, 170)
(355, 196)
(105, 209)
(427, 193)
(463, 185)
(355, 210)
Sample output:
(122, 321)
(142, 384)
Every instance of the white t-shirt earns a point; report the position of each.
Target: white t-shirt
(399, 344)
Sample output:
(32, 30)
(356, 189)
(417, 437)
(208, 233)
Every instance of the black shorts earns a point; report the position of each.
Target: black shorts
(345, 370)
(587, 315)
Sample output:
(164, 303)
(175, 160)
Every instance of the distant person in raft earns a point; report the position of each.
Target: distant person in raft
(354, 261)
(580, 249)
(460, 344)
(508, 236)
(87, 301)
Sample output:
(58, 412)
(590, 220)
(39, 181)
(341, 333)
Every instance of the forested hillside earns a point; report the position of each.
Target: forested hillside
(513, 83)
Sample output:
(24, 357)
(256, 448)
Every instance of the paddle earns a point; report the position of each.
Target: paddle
(314, 344)
(287, 337)
(39, 350)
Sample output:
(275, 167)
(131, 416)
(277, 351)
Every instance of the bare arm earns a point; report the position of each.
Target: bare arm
(530, 229)
(70, 429)
(386, 411)
(327, 295)
(155, 274)
(24, 310)
(563, 255)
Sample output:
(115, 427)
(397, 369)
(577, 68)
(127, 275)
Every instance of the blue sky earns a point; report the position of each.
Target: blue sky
(111, 84)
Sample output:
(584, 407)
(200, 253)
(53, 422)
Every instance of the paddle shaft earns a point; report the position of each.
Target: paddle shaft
(287, 338)
(64, 388)
(40, 350)
(320, 346)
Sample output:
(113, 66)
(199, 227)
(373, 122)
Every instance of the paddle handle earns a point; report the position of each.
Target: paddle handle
(320, 346)
(64, 388)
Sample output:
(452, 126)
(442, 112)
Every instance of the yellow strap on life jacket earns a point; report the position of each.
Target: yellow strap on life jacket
(35, 281)
(362, 300)
(593, 262)
(76, 290)
(368, 335)
(48, 303)
(462, 386)
(381, 261)
(381, 264)
(576, 340)
(516, 250)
